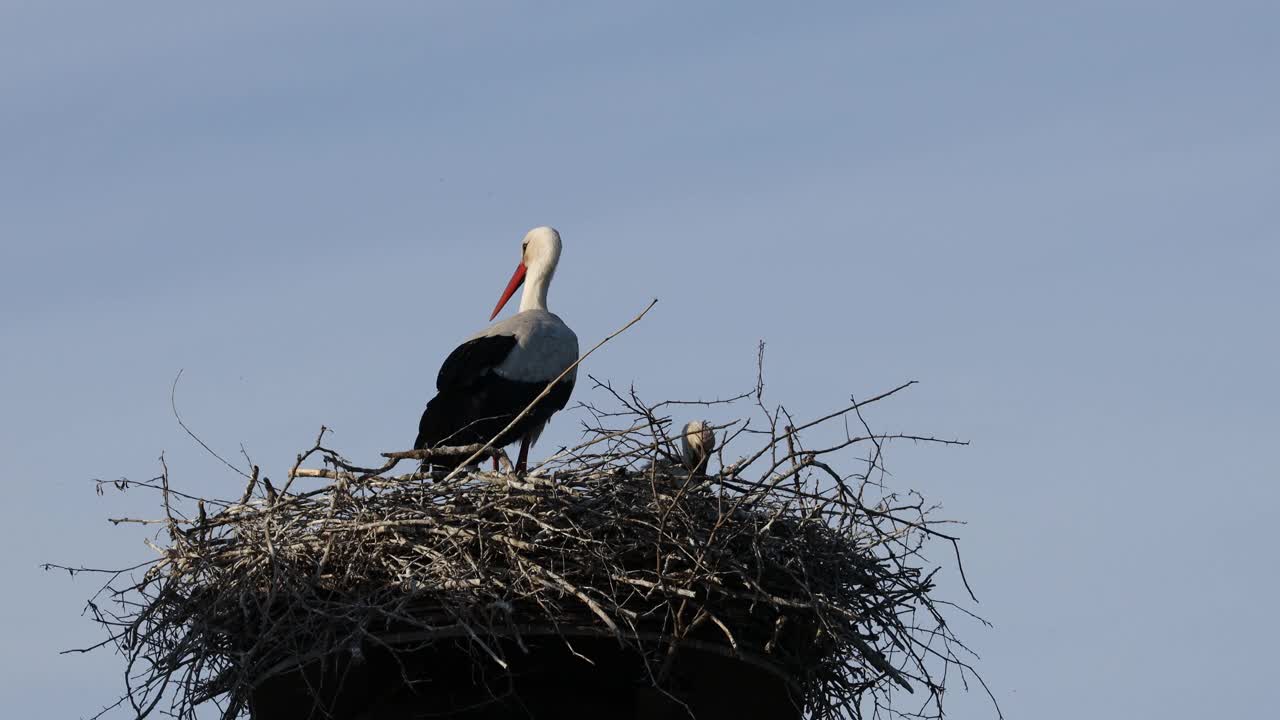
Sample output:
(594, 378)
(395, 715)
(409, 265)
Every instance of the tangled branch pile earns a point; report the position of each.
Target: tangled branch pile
(778, 559)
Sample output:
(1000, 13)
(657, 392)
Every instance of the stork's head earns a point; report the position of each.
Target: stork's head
(540, 249)
(539, 254)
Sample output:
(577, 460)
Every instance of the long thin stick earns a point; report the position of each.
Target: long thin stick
(545, 392)
(173, 403)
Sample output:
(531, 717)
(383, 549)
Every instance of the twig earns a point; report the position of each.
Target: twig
(173, 403)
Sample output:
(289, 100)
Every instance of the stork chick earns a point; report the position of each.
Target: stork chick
(697, 442)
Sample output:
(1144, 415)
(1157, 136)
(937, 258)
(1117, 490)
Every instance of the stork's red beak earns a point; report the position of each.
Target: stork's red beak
(516, 279)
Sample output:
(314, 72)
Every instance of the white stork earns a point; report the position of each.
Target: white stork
(492, 376)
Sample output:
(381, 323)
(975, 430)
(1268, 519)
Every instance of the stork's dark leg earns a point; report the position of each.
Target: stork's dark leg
(523, 462)
(495, 462)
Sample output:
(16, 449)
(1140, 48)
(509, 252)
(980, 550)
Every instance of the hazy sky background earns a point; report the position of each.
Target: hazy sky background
(1060, 217)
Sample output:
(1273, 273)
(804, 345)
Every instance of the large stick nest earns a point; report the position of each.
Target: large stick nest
(779, 559)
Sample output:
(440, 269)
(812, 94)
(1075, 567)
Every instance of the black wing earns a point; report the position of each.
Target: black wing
(472, 360)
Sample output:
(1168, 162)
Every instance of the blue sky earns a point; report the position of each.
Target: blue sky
(1060, 218)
